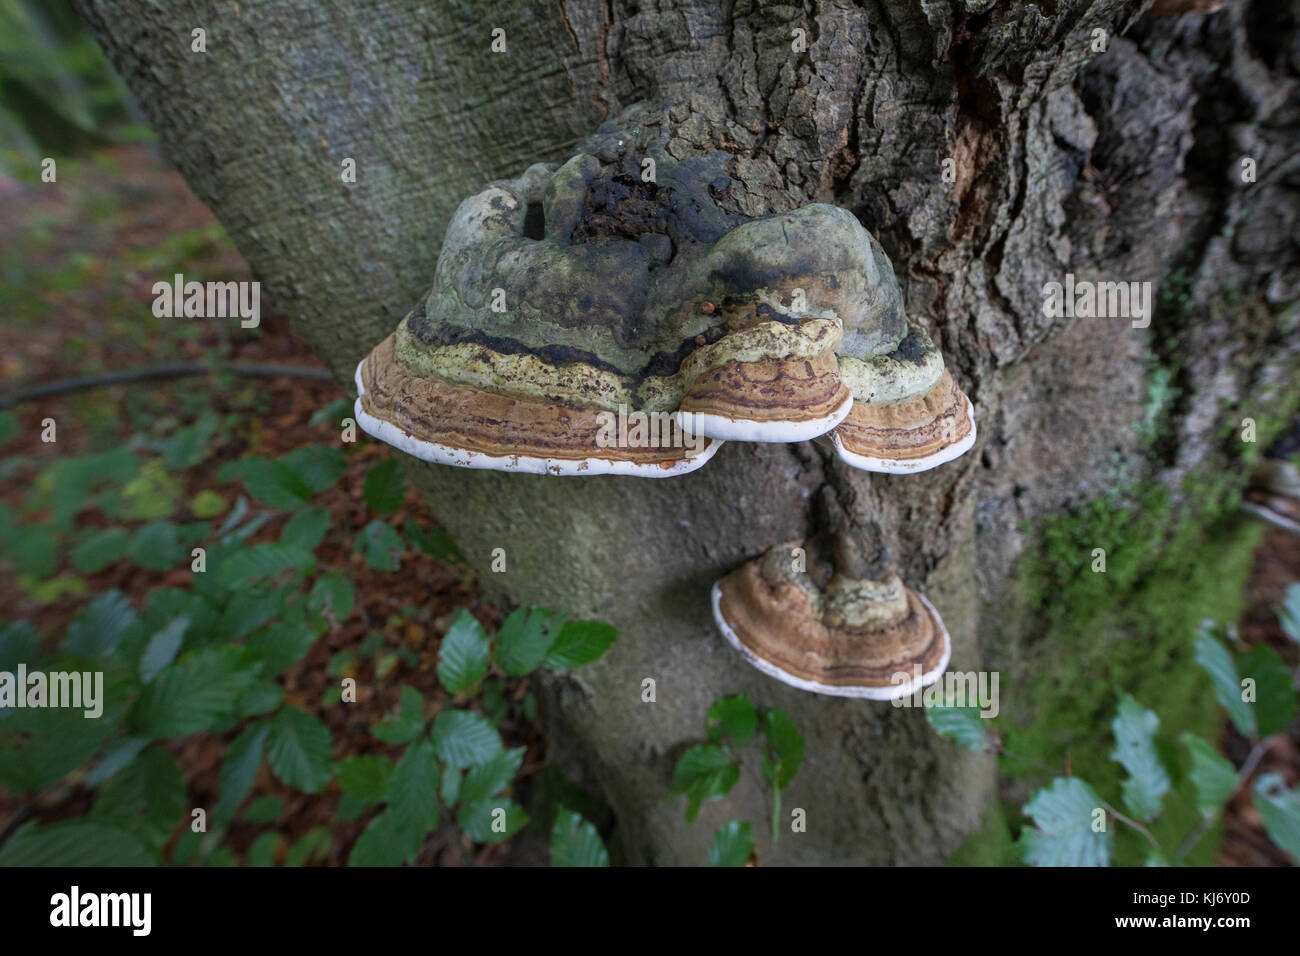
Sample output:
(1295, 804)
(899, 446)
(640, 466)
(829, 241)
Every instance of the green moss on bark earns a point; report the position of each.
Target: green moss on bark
(1171, 561)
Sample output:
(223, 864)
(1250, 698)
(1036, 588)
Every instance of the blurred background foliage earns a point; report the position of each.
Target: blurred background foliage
(58, 94)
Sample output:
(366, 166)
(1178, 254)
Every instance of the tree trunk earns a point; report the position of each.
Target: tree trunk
(1118, 163)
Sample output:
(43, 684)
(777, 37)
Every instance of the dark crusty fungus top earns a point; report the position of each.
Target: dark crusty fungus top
(584, 289)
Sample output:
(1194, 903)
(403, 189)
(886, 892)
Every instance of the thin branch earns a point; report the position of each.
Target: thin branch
(1133, 823)
(154, 373)
(1243, 777)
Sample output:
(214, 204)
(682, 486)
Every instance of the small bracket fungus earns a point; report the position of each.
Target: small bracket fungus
(580, 293)
(1274, 494)
(858, 638)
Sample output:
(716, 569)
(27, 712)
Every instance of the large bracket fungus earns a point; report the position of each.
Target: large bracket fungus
(578, 296)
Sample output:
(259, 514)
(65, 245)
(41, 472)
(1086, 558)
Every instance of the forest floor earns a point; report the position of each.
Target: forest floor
(77, 262)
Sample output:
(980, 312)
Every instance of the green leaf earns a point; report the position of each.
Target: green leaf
(117, 757)
(263, 849)
(8, 427)
(576, 842)
(1289, 613)
(164, 605)
(1217, 662)
(162, 648)
(247, 611)
(147, 799)
(490, 777)
(332, 595)
(1063, 815)
(157, 546)
(732, 844)
(248, 566)
(74, 843)
(409, 722)
(18, 644)
(462, 738)
(449, 789)
(385, 487)
(282, 644)
(432, 541)
(1135, 727)
(381, 546)
(34, 549)
(704, 772)
(463, 654)
(491, 821)
(1275, 699)
(334, 412)
(153, 493)
(39, 745)
(207, 504)
(314, 847)
(578, 643)
(1280, 809)
(784, 746)
(413, 795)
(962, 725)
(239, 770)
(100, 548)
(272, 483)
(260, 697)
(299, 749)
(524, 639)
(316, 466)
(190, 694)
(380, 844)
(1214, 777)
(365, 776)
(306, 529)
(266, 809)
(732, 717)
(188, 447)
(97, 629)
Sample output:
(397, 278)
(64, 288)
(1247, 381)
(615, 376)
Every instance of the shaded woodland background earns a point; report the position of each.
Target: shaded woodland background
(81, 255)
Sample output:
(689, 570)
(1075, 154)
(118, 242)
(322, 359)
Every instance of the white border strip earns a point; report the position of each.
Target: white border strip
(447, 455)
(890, 466)
(869, 693)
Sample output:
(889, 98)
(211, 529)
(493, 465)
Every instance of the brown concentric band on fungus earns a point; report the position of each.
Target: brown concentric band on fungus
(461, 425)
(778, 630)
(912, 435)
(780, 400)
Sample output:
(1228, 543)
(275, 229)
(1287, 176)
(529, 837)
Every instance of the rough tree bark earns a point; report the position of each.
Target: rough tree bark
(1118, 164)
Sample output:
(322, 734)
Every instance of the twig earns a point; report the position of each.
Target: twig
(1243, 777)
(1133, 823)
(154, 373)
(21, 816)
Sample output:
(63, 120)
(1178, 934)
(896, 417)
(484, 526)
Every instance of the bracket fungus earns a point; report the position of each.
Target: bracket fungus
(857, 637)
(1274, 494)
(584, 295)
